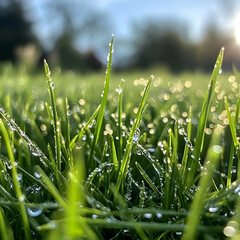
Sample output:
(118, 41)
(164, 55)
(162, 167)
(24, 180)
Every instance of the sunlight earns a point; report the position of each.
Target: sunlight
(237, 28)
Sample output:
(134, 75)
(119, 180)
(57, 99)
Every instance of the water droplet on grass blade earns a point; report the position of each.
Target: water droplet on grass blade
(217, 149)
(34, 211)
(2, 110)
(213, 209)
(136, 136)
(237, 190)
(52, 85)
(139, 152)
(132, 121)
(19, 177)
(52, 225)
(37, 175)
(147, 215)
(119, 90)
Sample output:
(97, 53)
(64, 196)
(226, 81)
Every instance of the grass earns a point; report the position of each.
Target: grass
(156, 159)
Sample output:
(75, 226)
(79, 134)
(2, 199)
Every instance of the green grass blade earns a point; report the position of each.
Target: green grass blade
(79, 136)
(230, 165)
(126, 157)
(99, 121)
(231, 124)
(233, 228)
(70, 206)
(203, 119)
(76, 226)
(120, 139)
(147, 179)
(56, 122)
(5, 232)
(34, 149)
(234, 135)
(185, 159)
(211, 161)
(54, 165)
(114, 153)
(67, 128)
(16, 184)
(51, 188)
(149, 226)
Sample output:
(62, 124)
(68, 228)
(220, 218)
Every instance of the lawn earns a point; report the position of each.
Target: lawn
(119, 155)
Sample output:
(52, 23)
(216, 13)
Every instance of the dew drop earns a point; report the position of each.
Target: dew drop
(217, 149)
(19, 177)
(132, 121)
(237, 190)
(34, 211)
(139, 152)
(148, 215)
(52, 85)
(37, 175)
(52, 225)
(22, 198)
(213, 209)
(119, 90)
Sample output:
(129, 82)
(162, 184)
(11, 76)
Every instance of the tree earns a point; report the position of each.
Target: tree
(70, 58)
(14, 28)
(158, 46)
(72, 32)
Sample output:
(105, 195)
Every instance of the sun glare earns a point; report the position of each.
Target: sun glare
(237, 28)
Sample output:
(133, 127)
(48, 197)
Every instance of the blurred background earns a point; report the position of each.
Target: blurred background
(74, 34)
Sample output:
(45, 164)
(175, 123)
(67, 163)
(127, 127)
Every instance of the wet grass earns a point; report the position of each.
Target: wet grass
(156, 159)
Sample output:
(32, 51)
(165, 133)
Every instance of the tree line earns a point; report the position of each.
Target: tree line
(154, 44)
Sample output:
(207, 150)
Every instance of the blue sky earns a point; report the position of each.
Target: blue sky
(122, 14)
(195, 13)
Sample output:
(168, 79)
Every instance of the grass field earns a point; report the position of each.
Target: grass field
(99, 157)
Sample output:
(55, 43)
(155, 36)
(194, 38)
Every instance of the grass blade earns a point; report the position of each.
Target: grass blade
(203, 120)
(120, 139)
(126, 157)
(102, 108)
(147, 179)
(16, 184)
(234, 134)
(51, 187)
(114, 154)
(34, 149)
(56, 122)
(78, 137)
(185, 160)
(197, 205)
(5, 232)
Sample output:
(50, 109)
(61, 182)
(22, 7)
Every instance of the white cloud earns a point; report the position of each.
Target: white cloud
(103, 4)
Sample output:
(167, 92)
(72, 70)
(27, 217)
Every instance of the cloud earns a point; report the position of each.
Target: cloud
(104, 4)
